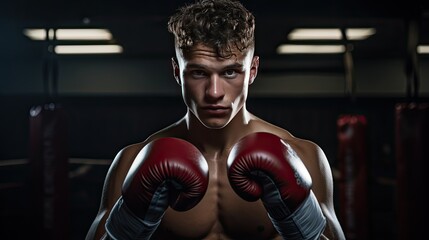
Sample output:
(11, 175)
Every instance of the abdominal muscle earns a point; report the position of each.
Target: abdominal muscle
(221, 214)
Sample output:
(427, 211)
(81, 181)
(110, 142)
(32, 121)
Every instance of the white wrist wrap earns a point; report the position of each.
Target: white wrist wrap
(306, 222)
(123, 224)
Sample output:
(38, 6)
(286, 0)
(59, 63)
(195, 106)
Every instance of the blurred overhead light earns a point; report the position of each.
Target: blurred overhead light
(35, 34)
(315, 34)
(322, 34)
(423, 49)
(310, 49)
(330, 33)
(69, 34)
(83, 34)
(88, 34)
(88, 49)
(359, 33)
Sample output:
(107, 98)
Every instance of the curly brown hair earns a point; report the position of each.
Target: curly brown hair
(225, 25)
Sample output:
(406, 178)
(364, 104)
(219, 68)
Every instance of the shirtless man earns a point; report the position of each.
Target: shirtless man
(220, 172)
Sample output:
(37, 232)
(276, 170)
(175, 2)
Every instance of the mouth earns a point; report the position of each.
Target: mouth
(215, 110)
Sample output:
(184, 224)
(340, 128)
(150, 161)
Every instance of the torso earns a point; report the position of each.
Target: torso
(221, 214)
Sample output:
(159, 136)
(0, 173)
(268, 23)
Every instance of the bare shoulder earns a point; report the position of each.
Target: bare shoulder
(117, 172)
(313, 157)
(126, 155)
(123, 161)
(310, 154)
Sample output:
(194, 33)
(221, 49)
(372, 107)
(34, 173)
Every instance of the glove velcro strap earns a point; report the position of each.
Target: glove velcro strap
(306, 222)
(124, 224)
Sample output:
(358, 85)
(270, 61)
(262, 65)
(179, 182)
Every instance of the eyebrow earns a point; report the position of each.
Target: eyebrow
(234, 65)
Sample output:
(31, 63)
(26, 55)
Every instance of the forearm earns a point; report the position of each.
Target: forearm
(323, 237)
(97, 230)
(332, 231)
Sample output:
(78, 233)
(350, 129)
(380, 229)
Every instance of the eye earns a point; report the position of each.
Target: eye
(198, 73)
(230, 73)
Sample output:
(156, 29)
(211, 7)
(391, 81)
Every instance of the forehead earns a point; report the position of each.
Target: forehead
(202, 52)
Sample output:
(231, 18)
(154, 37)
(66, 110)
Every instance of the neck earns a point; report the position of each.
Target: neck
(218, 140)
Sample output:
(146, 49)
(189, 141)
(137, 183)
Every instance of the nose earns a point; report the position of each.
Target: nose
(215, 89)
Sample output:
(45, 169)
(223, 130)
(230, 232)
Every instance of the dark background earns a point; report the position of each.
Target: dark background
(113, 101)
(100, 126)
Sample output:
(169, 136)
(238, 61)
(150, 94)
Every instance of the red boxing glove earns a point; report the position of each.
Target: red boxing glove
(170, 161)
(261, 165)
(166, 172)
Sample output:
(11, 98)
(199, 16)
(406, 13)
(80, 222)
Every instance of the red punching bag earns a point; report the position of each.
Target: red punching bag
(49, 172)
(412, 149)
(412, 157)
(353, 182)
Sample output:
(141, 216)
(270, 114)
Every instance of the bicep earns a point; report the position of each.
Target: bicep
(110, 194)
(323, 190)
(320, 171)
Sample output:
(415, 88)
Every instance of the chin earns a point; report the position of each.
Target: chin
(214, 125)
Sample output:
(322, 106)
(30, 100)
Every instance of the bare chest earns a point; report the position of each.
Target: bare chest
(221, 214)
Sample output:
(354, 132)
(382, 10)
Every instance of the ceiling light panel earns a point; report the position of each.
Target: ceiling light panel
(315, 34)
(88, 49)
(70, 34)
(310, 49)
(330, 33)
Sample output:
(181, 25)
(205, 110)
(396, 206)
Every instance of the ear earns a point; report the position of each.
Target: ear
(254, 69)
(176, 70)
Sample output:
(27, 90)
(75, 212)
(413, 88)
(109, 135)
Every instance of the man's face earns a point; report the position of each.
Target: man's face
(214, 88)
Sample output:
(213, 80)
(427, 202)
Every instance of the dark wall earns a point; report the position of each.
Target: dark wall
(100, 126)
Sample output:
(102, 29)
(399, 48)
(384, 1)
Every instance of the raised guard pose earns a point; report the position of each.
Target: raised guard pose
(220, 172)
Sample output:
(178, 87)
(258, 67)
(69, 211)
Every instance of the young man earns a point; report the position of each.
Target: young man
(220, 172)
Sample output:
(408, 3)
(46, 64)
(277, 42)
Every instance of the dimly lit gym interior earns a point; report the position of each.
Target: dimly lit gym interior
(366, 106)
